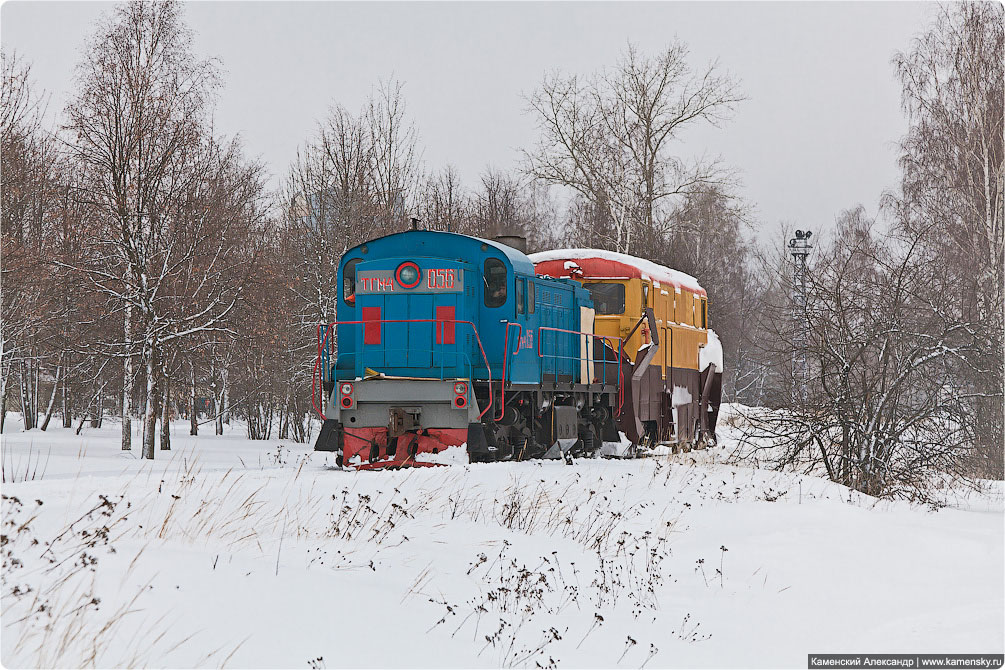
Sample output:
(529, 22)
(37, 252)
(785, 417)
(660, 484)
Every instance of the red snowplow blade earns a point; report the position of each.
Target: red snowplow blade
(377, 452)
(396, 463)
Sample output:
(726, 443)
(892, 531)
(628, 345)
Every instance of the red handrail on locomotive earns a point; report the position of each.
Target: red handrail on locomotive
(502, 393)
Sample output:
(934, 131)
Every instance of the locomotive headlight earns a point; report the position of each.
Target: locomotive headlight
(346, 401)
(460, 395)
(408, 275)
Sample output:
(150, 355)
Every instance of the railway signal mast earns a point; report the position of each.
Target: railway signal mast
(799, 249)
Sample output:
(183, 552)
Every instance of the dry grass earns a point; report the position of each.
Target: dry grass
(56, 618)
(27, 468)
(53, 615)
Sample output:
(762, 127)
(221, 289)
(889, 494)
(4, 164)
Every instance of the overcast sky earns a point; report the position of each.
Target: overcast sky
(817, 134)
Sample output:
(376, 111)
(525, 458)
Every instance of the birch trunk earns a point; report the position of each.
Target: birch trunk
(3, 404)
(150, 412)
(226, 402)
(127, 385)
(284, 418)
(192, 412)
(67, 416)
(221, 403)
(166, 416)
(4, 381)
(99, 411)
(52, 396)
(218, 423)
(35, 374)
(26, 395)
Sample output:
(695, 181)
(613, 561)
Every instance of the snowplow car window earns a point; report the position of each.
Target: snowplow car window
(607, 298)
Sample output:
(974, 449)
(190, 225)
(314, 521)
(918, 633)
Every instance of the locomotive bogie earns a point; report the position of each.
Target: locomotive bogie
(543, 423)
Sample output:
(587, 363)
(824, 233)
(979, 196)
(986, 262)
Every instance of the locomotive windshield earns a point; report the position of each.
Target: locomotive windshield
(608, 298)
(349, 281)
(495, 282)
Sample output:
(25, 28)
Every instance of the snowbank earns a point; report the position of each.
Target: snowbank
(711, 353)
(262, 554)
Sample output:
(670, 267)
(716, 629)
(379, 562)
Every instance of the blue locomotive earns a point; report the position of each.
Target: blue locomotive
(444, 339)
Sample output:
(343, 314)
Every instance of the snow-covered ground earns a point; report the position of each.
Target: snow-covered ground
(262, 554)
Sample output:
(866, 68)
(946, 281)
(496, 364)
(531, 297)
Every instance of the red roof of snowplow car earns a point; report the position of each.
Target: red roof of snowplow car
(599, 263)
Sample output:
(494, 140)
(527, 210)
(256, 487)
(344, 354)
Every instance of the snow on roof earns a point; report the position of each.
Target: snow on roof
(646, 268)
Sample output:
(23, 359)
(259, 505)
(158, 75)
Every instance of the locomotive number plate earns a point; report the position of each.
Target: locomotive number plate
(433, 280)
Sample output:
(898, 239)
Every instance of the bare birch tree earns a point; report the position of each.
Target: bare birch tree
(175, 203)
(876, 417)
(28, 198)
(708, 239)
(356, 179)
(610, 136)
(395, 156)
(952, 194)
(443, 202)
(141, 96)
(329, 206)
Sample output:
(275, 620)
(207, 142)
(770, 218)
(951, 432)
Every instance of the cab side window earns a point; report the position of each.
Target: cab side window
(531, 296)
(495, 282)
(349, 281)
(520, 292)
